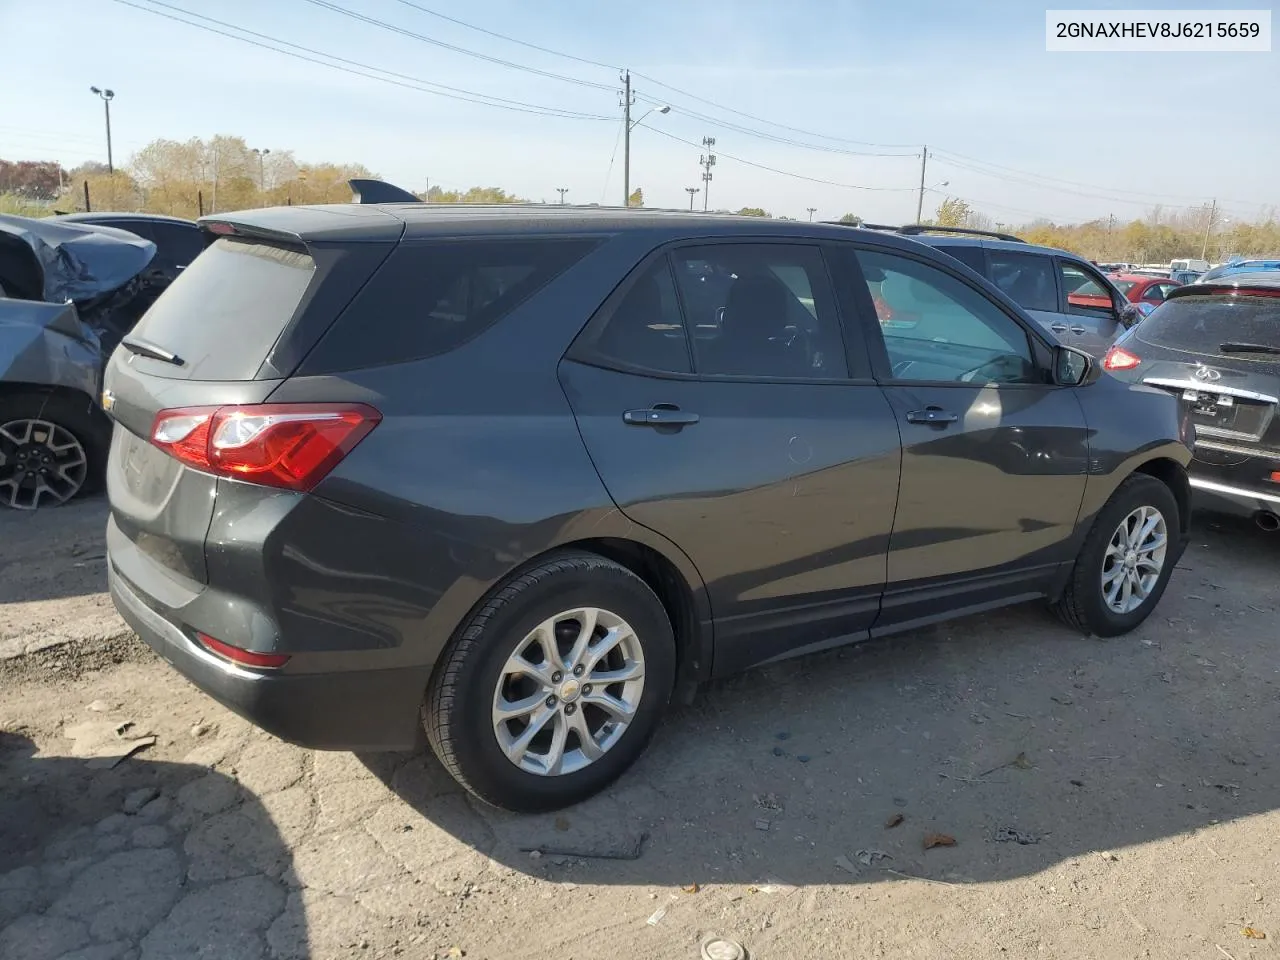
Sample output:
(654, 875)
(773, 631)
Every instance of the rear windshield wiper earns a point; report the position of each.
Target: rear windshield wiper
(1232, 346)
(144, 348)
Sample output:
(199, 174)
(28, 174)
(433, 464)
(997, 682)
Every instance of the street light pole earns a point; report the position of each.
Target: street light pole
(107, 96)
(812, 211)
(924, 161)
(1204, 247)
(562, 191)
(691, 191)
(628, 100)
(262, 177)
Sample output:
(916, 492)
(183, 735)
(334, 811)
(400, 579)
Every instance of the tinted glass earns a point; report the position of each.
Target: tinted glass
(968, 254)
(1124, 286)
(760, 310)
(429, 298)
(1027, 279)
(1085, 290)
(937, 328)
(224, 313)
(1203, 324)
(176, 243)
(644, 328)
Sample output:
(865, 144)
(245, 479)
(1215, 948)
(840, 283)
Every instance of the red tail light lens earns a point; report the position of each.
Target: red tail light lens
(246, 657)
(287, 445)
(1118, 358)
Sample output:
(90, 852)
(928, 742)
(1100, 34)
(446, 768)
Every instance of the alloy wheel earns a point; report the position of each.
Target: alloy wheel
(40, 462)
(1134, 559)
(568, 691)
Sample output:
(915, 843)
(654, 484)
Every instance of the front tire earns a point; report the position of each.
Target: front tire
(554, 686)
(53, 448)
(1126, 560)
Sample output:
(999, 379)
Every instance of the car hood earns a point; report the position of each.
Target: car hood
(57, 261)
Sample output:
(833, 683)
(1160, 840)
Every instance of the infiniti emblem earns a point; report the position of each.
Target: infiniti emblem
(1207, 374)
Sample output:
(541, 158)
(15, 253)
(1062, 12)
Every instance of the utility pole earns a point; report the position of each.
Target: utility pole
(107, 96)
(262, 176)
(691, 191)
(627, 101)
(812, 211)
(1204, 247)
(562, 191)
(707, 161)
(924, 160)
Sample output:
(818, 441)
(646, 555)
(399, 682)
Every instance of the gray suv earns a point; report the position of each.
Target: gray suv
(1066, 294)
(514, 477)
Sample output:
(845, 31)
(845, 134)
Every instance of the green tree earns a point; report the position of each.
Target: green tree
(852, 219)
(754, 212)
(953, 212)
(636, 199)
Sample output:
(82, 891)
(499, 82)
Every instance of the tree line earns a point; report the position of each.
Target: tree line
(199, 176)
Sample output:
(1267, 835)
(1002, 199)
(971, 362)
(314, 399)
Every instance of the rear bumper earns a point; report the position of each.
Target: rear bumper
(347, 710)
(1222, 496)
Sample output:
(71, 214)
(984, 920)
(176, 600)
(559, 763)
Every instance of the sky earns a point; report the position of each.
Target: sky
(837, 98)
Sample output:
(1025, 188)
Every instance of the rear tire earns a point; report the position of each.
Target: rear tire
(1097, 600)
(36, 426)
(498, 665)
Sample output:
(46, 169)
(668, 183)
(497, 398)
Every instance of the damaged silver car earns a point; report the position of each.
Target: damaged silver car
(68, 293)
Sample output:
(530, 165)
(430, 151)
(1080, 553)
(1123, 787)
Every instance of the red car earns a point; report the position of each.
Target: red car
(1147, 292)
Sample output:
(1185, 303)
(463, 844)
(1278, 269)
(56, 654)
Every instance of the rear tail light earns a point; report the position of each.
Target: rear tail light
(1118, 358)
(287, 445)
(239, 655)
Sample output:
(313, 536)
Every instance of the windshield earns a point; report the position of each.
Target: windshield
(1203, 324)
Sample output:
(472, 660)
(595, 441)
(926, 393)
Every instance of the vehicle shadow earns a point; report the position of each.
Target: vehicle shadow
(168, 858)
(54, 552)
(1024, 742)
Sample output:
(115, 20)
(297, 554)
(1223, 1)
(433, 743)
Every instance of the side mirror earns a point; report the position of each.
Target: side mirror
(1129, 315)
(1071, 367)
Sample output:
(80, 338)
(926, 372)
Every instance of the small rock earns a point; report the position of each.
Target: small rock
(199, 729)
(762, 824)
(899, 802)
(156, 809)
(135, 800)
(803, 758)
(535, 854)
(779, 752)
(99, 706)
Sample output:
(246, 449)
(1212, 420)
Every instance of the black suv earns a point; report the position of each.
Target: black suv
(1216, 345)
(1066, 294)
(518, 475)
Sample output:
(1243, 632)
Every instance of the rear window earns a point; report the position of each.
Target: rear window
(225, 312)
(1124, 286)
(430, 297)
(1203, 324)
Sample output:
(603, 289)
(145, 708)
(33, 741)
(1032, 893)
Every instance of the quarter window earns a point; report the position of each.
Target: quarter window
(936, 328)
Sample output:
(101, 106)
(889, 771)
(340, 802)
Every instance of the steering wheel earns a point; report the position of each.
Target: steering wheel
(1004, 368)
(796, 338)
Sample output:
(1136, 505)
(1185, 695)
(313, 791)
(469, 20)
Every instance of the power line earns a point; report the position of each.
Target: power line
(503, 36)
(403, 80)
(785, 173)
(325, 4)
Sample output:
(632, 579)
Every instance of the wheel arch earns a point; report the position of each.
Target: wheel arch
(1174, 476)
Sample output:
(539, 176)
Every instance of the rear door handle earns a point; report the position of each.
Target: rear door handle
(932, 415)
(1078, 331)
(660, 415)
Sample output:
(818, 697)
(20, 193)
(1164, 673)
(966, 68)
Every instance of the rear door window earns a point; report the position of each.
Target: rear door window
(1087, 293)
(225, 312)
(643, 329)
(1026, 278)
(430, 297)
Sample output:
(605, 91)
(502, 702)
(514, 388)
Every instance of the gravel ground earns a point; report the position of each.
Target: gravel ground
(1107, 799)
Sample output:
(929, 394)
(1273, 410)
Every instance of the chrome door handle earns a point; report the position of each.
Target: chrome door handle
(1078, 331)
(1058, 327)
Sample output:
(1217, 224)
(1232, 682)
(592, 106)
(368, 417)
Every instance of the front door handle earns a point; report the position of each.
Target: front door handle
(1058, 327)
(1079, 331)
(934, 416)
(660, 415)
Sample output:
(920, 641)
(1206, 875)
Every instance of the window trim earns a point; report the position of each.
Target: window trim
(1040, 348)
(579, 352)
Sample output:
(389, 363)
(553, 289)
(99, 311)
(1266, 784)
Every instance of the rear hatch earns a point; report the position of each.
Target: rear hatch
(1220, 354)
(229, 330)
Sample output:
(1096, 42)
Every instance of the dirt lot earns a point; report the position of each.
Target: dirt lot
(1135, 771)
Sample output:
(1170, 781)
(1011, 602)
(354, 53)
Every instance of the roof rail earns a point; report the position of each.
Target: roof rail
(918, 228)
(379, 191)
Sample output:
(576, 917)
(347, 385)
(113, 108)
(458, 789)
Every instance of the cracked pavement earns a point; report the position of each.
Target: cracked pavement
(1136, 774)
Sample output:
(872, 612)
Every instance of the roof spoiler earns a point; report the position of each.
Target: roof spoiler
(915, 229)
(379, 191)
